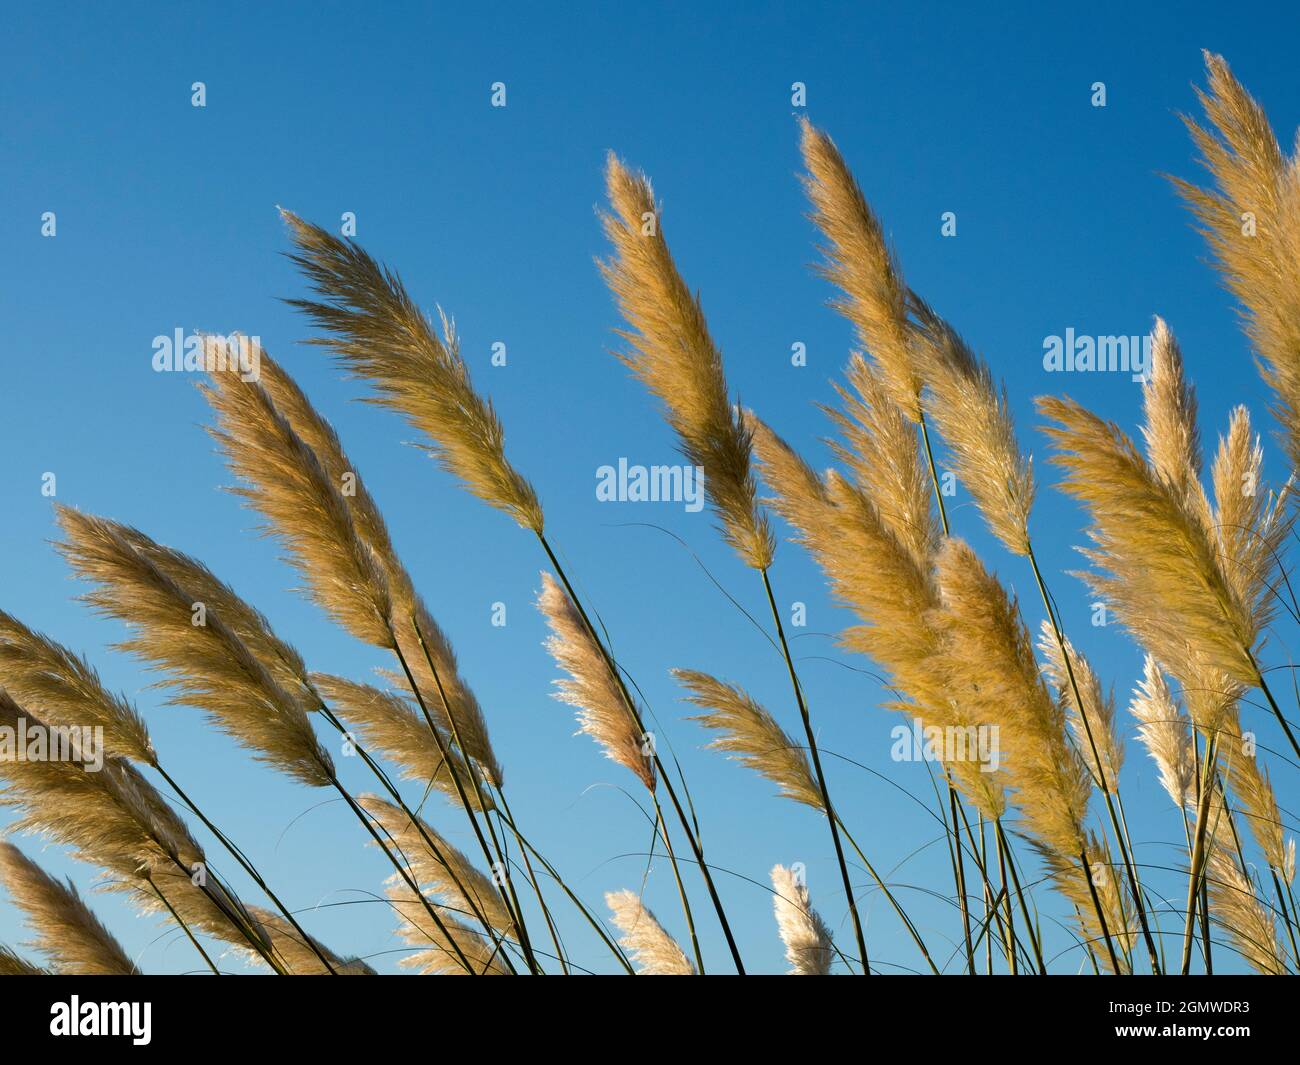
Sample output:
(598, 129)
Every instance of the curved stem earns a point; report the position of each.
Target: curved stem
(630, 703)
(831, 818)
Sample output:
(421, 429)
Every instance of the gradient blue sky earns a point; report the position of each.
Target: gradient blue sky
(166, 219)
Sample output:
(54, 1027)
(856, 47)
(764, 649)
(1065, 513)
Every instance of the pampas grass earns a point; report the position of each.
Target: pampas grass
(653, 951)
(65, 929)
(807, 940)
(1187, 549)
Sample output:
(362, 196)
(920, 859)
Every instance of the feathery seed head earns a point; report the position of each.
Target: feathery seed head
(807, 940)
(377, 331)
(591, 687)
(652, 950)
(675, 357)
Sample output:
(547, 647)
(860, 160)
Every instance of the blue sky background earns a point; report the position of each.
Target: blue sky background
(166, 219)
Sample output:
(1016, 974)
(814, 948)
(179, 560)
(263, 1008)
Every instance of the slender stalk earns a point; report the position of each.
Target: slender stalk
(435, 850)
(959, 874)
(248, 867)
(911, 928)
(1020, 896)
(662, 827)
(1135, 886)
(1286, 912)
(184, 927)
(959, 871)
(1101, 915)
(659, 766)
(582, 908)
(1198, 852)
(831, 817)
(1006, 890)
(532, 879)
(506, 897)
(1272, 702)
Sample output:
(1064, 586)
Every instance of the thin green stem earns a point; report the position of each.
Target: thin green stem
(498, 863)
(898, 909)
(1104, 786)
(470, 897)
(630, 703)
(1020, 896)
(831, 817)
(184, 927)
(1198, 852)
(504, 809)
(662, 827)
(248, 867)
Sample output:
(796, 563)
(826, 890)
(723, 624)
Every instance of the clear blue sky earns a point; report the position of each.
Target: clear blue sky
(166, 219)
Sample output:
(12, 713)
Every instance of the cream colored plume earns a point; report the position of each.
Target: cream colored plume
(1165, 732)
(379, 333)
(874, 570)
(676, 358)
(1098, 707)
(439, 950)
(807, 940)
(299, 957)
(387, 723)
(591, 687)
(974, 416)
(116, 820)
(1159, 568)
(652, 950)
(880, 448)
(440, 868)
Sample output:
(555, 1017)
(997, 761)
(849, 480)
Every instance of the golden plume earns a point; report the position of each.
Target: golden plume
(37, 671)
(989, 666)
(205, 661)
(66, 931)
(1251, 219)
(875, 572)
(116, 820)
(376, 329)
(1164, 730)
(1098, 707)
(880, 450)
(12, 964)
(752, 735)
(676, 358)
(1160, 570)
(975, 420)
(289, 459)
(300, 958)
(860, 263)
